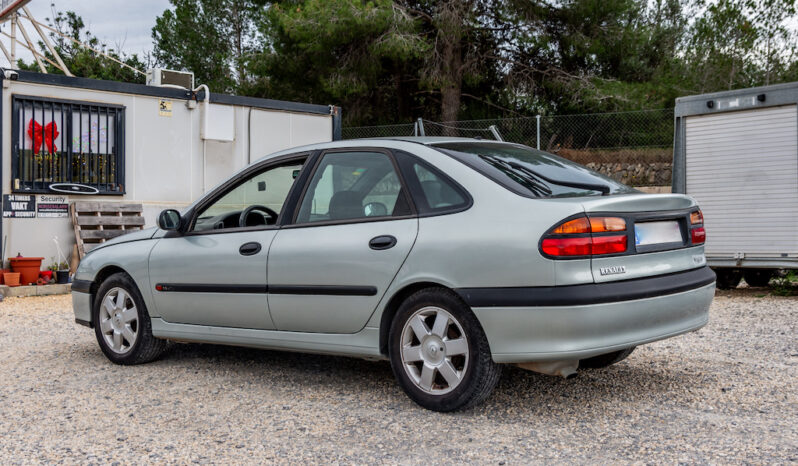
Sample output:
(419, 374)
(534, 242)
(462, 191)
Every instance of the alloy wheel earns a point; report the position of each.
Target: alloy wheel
(434, 350)
(119, 320)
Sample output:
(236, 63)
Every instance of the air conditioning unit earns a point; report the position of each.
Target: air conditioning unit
(169, 78)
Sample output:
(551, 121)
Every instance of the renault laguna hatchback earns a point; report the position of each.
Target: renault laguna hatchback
(449, 257)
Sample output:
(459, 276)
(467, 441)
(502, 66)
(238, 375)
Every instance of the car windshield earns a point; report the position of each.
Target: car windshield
(531, 172)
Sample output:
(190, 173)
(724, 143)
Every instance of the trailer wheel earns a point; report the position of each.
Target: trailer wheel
(728, 279)
(758, 277)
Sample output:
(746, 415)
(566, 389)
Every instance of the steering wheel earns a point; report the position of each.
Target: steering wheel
(242, 219)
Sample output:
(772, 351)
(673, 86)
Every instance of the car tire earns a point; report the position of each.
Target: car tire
(122, 324)
(443, 367)
(757, 277)
(727, 279)
(605, 360)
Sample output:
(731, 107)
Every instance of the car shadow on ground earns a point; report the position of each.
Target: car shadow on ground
(592, 390)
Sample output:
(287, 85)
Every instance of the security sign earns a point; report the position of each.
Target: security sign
(19, 206)
(50, 206)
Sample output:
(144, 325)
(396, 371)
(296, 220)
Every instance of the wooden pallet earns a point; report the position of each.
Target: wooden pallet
(97, 222)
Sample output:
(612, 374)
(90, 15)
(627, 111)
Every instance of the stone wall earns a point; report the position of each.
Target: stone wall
(636, 174)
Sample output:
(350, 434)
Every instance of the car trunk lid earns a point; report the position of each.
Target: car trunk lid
(659, 240)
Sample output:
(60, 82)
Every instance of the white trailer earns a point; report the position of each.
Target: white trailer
(162, 147)
(736, 153)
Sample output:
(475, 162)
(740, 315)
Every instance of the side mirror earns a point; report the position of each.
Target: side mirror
(169, 219)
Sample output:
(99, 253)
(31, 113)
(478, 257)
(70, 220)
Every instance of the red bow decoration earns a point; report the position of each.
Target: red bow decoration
(49, 134)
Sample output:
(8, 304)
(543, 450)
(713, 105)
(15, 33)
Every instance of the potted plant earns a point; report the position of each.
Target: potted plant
(61, 271)
(27, 267)
(61, 267)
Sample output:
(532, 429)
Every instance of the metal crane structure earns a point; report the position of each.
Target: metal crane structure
(14, 12)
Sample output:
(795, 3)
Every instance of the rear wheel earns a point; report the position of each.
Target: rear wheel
(439, 353)
(604, 360)
(122, 324)
(758, 277)
(727, 279)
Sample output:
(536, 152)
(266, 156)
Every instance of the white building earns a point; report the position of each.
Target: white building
(158, 146)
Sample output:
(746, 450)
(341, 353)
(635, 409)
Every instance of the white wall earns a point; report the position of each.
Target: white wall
(167, 164)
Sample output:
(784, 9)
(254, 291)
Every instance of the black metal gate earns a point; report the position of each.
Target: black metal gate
(61, 141)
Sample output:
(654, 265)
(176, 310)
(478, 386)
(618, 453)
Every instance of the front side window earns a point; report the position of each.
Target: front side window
(55, 142)
(256, 201)
(351, 186)
(532, 172)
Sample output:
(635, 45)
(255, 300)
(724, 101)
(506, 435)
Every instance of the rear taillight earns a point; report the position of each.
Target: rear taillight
(697, 233)
(584, 236)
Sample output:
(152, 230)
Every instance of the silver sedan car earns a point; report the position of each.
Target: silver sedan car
(447, 256)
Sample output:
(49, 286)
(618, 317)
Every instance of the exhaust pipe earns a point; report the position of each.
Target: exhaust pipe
(566, 369)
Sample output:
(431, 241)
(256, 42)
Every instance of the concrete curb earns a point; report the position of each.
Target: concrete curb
(43, 290)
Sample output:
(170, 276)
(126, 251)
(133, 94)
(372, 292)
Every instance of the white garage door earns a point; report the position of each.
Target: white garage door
(742, 168)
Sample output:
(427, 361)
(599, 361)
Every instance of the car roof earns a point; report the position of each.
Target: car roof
(367, 142)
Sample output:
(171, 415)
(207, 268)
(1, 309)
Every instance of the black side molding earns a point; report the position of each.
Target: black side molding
(592, 293)
(81, 286)
(327, 290)
(210, 288)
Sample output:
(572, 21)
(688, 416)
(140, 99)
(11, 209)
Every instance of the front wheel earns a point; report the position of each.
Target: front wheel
(439, 353)
(122, 324)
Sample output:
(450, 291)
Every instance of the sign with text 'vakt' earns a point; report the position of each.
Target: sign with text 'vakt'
(19, 206)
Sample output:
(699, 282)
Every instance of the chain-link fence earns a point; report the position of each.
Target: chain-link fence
(633, 147)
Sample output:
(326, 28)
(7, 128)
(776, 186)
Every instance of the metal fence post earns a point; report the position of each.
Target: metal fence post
(495, 131)
(537, 132)
(421, 127)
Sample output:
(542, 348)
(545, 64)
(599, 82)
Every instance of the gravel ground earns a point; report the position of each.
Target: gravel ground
(728, 393)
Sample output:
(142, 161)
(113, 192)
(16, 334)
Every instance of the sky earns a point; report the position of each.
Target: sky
(125, 23)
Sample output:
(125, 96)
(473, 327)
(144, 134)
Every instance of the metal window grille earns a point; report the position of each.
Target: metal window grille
(61, 141)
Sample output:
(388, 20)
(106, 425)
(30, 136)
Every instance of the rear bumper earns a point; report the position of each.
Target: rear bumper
(565, 324)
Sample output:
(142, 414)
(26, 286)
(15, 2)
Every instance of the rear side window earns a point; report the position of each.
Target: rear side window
(433, 192)
(439, 193)
(530, 172)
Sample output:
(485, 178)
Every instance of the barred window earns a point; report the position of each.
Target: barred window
(57, 144)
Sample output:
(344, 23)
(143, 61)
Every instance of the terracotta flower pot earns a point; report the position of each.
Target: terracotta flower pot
(11, 278)
(3, 271)
(28, 268)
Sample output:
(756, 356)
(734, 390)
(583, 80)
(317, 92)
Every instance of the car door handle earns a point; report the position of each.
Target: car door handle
(249, 249)
(382, 242)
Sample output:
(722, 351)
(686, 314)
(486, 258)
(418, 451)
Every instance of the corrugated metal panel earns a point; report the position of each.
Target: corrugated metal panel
(742, 168)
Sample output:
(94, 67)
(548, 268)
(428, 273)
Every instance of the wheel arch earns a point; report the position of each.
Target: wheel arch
(103, 274)
(99, 278)
(393, 305)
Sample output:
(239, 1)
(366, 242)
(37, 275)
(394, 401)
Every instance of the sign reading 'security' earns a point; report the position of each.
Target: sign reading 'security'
(19, 206)
(52, 206)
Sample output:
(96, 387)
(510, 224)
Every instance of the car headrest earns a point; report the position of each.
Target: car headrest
(345, 204)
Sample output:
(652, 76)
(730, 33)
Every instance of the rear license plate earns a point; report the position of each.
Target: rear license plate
(657, 233)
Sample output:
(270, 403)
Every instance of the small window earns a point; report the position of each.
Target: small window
(439, 193)
(55, 141)
(353, 185)
(263, 194)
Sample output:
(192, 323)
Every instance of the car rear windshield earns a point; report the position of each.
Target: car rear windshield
(531, 172)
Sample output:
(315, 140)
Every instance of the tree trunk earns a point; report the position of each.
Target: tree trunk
(451, 88)
(450, 102)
